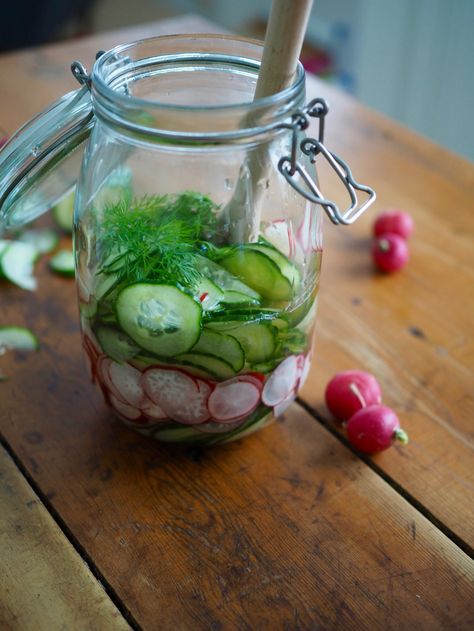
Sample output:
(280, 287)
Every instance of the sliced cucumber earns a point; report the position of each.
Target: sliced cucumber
(260, 272)
(116, 344)
(63, 211)
(209, 294)
(63, 263)
(159, 318)
(16, 264)
(285, 266)
(44, 241)
(238, 298)
(17, 338)
(221, 346)
(213, 366)
(224, 279)
(258, 339)
(175, 433)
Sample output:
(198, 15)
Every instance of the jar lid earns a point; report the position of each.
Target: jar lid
(40, 163)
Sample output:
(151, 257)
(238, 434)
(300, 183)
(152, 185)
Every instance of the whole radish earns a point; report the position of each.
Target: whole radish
(350, 391)
(390, 252)
(375, 428)
(395, 221)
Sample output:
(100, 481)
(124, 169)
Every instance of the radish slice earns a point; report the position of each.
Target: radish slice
(281, 407)
(280, 234)
(305, 370)
(258, 383)
(282, 382)
(303, 234)
(182, 398)
(126, 381)
(127, 411)
(153, 411)
(233, 400)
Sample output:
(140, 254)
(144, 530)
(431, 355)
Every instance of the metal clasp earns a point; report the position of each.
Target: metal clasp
(80, 72)
(289, 167)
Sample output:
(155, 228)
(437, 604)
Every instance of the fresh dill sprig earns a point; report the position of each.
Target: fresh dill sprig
(156, 237)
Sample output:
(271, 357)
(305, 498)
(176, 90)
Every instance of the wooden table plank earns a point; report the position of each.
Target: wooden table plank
(411, 329)
(45, 585)
(286, 529)
(365, 320)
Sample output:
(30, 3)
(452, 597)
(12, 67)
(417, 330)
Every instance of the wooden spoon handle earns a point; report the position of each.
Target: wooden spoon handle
(283, 41)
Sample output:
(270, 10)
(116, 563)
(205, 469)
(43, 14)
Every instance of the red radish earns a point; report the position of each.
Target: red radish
(181, 397)
(374, 429)
(283, 405)
(350, 391)
(282, 382)
(3, 141)
(395, 221)
(390, 252)
(125, 383)
(153, 411)
(129, 412)
(280, 234)
(304, 369)
(233, 400)
(255, 378)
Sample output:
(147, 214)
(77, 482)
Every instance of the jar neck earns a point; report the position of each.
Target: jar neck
(189, 89)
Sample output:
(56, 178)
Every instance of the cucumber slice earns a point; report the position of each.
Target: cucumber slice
(284, 264)
(208, 294)
(17, 338)
(176, 433)
(232, 297)
(159, 318)
(224, 279)
(63, 211)
(221, 346)
(116, 344)
(260, 272)
(258, 340)
(16, 263)
(213, 366)
(63, 263)
(44, 241)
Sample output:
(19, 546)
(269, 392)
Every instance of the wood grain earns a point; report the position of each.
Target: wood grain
(286, 529)
(413, 330)
(45, 585)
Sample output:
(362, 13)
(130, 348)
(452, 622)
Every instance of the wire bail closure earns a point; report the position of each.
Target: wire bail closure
(80, 72)
(288, 166)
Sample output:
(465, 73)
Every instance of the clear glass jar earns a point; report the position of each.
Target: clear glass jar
(197, 263)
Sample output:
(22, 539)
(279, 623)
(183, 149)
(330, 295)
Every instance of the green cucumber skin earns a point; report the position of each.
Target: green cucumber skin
(116, 344)
(259, 272)
(258, 340)
(168, 344)
(215, 367)
(221, 346)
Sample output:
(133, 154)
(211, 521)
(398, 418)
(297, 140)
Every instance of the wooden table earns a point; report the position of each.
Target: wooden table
(289, 529)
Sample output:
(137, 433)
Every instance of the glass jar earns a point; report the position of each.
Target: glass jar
(197, 256)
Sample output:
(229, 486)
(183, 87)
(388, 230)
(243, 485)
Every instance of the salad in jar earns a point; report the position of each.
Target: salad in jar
(192, 338)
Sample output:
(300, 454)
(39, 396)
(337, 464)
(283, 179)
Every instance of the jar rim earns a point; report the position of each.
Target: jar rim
(103, 88)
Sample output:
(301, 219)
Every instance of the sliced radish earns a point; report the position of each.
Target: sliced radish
(127, 411)
(283, 405)
(250, 378)
(258, 376)
(282, 382)
(182, 398)
(280, 234)
(153, 411)
(126, 380)
(304, 371)
(233, 400)
(303, 234)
